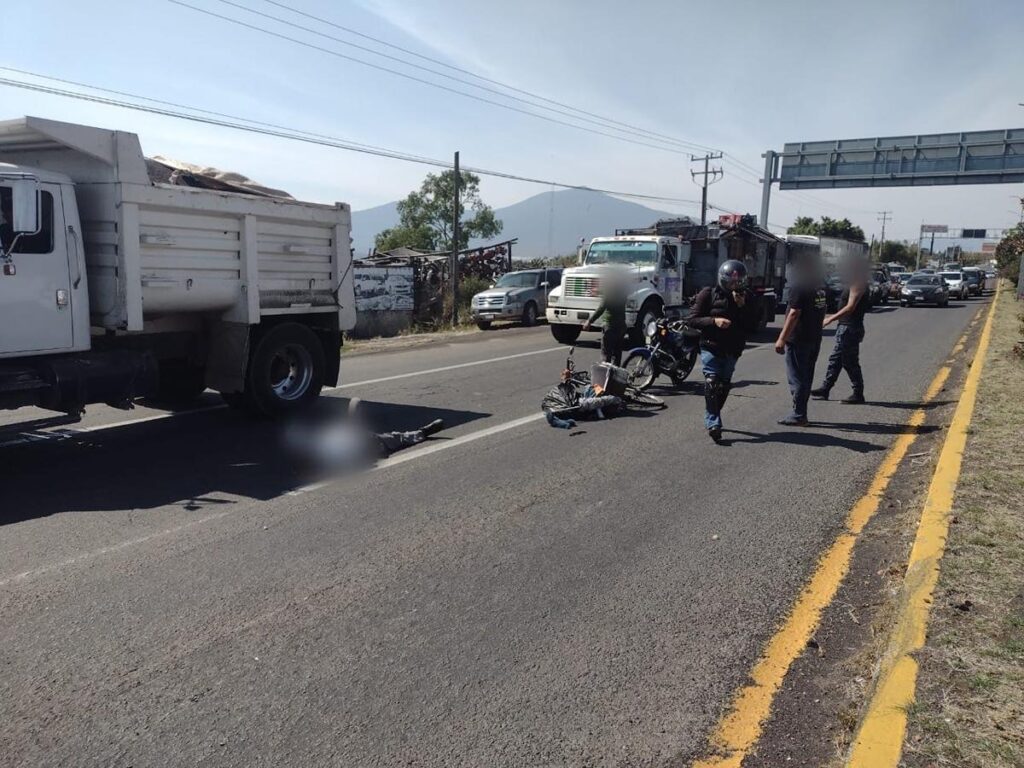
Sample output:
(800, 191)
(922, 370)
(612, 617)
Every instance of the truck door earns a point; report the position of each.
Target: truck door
(670, 275)
(35, 289)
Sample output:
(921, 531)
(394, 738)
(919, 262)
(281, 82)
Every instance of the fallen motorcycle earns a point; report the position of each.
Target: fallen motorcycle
(671, 350)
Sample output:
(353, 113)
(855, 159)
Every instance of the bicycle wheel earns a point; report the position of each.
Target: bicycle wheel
(640, 371)
(638, 399)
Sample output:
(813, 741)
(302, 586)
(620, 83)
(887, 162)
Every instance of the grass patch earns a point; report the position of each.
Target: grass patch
(970, 706)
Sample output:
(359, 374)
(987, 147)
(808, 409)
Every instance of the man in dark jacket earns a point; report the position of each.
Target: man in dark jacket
(725, 314)
(613, 304)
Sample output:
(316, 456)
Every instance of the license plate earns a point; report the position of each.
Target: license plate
(486, 317)
(582, 315)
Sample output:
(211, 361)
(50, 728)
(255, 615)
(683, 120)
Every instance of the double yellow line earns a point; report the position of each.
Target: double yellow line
(740, 729)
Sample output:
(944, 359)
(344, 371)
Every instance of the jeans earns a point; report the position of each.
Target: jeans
(846, 356)
(719, 368)
(800, 360)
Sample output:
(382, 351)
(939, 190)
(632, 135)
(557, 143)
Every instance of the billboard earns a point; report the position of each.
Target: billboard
(939, 229)
(976, 157)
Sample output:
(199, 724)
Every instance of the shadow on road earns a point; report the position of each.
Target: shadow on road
(188, 461)
(875, 428)
(803, 437)
(908, 405)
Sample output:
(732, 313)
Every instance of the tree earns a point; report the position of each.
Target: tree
(827, 227)
(1009, 252)
(425, 216)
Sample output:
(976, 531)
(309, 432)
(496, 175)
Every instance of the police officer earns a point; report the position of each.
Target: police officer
(613, 304)
(725, 314)
(849, 321)
(800, 337)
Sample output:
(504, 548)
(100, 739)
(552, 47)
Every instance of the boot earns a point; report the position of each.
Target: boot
(857, 398)
(433, 427)
(821, 393)
(713, 396)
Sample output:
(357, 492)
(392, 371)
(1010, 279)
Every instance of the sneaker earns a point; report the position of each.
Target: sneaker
(715, 433)
(855, 399)
(794, 421)
(433, 427)
(821, 393)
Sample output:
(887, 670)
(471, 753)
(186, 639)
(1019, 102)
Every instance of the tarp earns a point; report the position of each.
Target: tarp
(167, 171)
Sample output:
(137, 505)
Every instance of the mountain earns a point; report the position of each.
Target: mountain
(547, 224)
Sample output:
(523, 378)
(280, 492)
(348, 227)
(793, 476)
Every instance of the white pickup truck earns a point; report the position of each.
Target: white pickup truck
(655, 265)
(114, 286)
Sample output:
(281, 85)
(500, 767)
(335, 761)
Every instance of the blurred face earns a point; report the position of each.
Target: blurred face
(807, 271)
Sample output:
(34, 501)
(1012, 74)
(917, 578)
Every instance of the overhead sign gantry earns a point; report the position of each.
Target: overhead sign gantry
(976, 157)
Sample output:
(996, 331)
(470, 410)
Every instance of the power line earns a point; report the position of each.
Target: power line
(420, 80)
(569, 112)
(244, 124)
(480, 77)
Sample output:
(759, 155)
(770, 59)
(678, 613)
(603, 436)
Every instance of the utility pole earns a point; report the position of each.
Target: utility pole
(883, 216)
(456, 235)
(715, 174)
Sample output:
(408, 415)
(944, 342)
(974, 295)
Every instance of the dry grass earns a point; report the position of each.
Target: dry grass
(970, 696)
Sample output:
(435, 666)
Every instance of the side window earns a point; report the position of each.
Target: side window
(555, 278)
(668, 256)
(42, 241)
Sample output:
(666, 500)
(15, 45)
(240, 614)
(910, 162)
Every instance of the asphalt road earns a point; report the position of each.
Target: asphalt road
(172, 594)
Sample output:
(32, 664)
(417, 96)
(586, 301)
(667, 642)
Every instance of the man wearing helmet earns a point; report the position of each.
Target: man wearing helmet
(725, 315)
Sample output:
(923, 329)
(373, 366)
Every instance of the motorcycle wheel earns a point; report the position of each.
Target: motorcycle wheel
(685, 368)
(640, 371)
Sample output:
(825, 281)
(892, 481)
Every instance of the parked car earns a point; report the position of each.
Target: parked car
(519, 296)
(991, 281)
(925, 289)
(974, 278)
(956, 284)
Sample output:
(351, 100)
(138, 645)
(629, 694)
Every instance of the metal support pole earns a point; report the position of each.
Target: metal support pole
(709, 175)
(456, 236)
(766, 186)
(920, 245)
(931, 248)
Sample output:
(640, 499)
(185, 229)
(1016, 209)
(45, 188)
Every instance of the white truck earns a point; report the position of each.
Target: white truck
(114, 286)
(655, 266)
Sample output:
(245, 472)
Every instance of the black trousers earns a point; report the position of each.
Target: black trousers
(612, 342)
(846, 357)
(800, 360)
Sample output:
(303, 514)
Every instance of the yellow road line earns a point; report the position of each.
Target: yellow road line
(879, 741)
(739, 730)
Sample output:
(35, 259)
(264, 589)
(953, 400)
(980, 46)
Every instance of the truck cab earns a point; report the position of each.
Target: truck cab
(654, 266)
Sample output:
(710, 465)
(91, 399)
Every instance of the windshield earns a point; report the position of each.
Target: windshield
(951, 276)
(924, 280)
(517, 280)
(623, 252)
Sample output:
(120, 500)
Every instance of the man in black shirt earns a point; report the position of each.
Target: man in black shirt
(800, 338)
(725, 314)
(849, 333)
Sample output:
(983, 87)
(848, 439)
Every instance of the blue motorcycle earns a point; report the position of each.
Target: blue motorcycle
(671, 349)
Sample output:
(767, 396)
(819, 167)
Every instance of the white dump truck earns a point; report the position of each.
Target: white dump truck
(116, 286)
(655, 266)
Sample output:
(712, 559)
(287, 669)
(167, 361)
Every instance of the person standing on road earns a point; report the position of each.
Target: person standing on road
(800, 337)
(849, 333)
(613, 304)
(725, 315)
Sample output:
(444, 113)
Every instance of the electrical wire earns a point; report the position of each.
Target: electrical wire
(440, 62)
(266, 129)
(570, 113)
(420, 80)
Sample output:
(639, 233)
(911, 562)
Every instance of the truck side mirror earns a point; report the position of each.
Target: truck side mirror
(545, 284)
(25, 206)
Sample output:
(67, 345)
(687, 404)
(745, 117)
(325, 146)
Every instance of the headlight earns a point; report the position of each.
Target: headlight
(510, 299)
(651, 329)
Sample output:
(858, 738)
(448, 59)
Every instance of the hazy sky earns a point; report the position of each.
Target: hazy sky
(742, 76)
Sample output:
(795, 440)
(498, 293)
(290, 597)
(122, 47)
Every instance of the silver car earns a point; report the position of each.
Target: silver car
(521, 296)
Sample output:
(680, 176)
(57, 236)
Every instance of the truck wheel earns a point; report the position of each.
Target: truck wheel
(179, 382)
(650, 311)
(286, 370)
(566, 334)
(483, 325)
(530, 314)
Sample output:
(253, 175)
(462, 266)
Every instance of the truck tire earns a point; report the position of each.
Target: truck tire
(286, 371)
(566, 334)
(180, 382)
(483, 325)
(651, 310)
